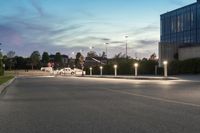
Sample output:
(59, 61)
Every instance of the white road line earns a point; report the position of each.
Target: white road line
(155, 98)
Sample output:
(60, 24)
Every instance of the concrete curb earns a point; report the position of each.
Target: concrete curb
(5, 85)
(133, 78)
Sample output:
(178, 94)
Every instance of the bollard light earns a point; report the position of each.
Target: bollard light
(115, 67)
(136, 69)
(101, 70)
(165, 63)
(90, 71)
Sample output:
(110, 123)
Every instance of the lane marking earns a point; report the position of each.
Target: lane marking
(155, 98)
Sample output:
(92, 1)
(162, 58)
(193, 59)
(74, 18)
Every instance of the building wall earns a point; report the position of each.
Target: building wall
(189, 52)
(167, 52)
(180, 27)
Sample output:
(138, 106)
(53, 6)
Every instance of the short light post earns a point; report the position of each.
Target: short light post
(165, 63)
(90, 71)
(115, 67)
(101, 70)
(136, 68)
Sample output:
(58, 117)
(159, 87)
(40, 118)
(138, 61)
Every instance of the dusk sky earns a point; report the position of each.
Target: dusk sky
(74, 25)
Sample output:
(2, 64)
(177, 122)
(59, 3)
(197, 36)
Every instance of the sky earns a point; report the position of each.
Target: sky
(69, 26)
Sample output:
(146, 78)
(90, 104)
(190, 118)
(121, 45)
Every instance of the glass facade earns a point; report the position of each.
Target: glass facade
(181, 26)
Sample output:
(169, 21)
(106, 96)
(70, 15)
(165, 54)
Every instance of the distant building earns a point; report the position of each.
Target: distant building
(180, 33)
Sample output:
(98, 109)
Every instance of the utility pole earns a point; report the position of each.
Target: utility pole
(126, 37)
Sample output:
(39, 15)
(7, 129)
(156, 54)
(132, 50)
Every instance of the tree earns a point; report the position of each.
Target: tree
(77, 60)
(35, 59)
(104, 55)
(10, 61)
(20, 62)
(45, 58)
(1, 64)
(58, 59)
(92, 54)
(153, 57)
(119, 56)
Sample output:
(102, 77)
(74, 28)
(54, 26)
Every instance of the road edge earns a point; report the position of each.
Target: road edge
(5, 85)
(133, 78)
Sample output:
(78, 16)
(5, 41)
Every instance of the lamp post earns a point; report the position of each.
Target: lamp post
(101, 70)
(136, 69)
(106, 45)
(115, 67)
(165, 63)
(126, 37)
(90, 71)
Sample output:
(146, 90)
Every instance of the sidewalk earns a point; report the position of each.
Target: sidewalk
(195, 78)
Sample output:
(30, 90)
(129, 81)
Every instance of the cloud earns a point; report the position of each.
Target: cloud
(10, 36)
(146, 29)
(26, 31)
(147, 42)
(116, 42)
(38, 8)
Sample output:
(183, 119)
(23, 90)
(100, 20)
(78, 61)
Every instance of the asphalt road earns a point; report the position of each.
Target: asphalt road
(84, 105)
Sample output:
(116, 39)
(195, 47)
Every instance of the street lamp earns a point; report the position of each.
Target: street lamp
(101, 70)
(165, 63)
(106, 44)
(126, 37)
(115, 67)
(91, 47)
(136, 69)
(90, 71)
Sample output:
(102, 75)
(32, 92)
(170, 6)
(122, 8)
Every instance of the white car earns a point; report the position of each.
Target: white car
(69, 71)
(79, 72)
(46, 69)
(66, 71)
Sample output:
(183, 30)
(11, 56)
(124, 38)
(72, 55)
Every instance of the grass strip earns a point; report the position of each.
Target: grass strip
(4, 79)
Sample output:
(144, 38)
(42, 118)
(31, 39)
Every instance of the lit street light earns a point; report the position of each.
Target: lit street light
(91, 47)
(136, 69)
(165, 63)
(101, 70)
(115, 67)
(90, 71)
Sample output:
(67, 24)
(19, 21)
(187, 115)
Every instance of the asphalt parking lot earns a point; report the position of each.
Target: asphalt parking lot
(92, 105)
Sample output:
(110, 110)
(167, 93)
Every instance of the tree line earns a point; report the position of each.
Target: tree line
(147, 66)
(34, 61)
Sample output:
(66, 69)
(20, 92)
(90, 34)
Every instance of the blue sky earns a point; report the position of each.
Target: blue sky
(75, 25)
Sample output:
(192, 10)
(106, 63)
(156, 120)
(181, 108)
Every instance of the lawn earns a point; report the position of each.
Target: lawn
(4, 79)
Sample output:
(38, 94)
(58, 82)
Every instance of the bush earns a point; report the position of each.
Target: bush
(190, 66)
(125, 67)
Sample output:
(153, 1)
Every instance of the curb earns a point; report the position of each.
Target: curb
(133, 78)
(5, 85)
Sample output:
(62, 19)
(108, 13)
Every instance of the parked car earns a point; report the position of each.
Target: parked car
(46, 69)
(69, 71)
(66, 71)
(79, 72)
